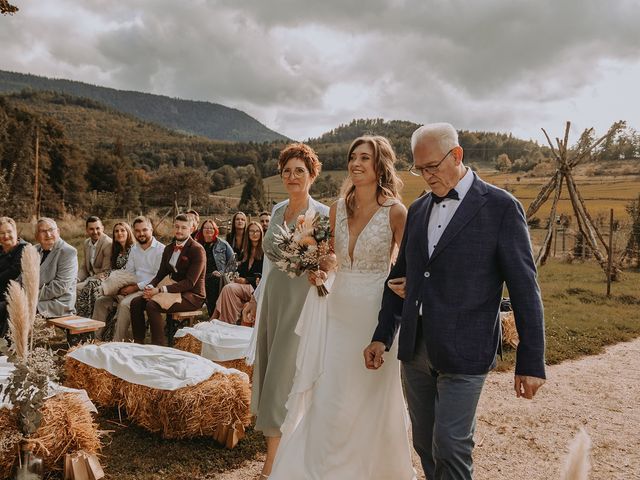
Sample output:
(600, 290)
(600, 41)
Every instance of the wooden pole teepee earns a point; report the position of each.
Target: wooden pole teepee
(566, 160)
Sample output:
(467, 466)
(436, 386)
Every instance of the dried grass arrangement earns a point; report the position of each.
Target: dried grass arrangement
(66, 426)
(509, 332)
(217, 407)
(191, 344)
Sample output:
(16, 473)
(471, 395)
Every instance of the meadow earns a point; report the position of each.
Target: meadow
(600, 192)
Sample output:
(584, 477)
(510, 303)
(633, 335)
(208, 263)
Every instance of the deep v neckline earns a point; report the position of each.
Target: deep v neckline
(355, 244)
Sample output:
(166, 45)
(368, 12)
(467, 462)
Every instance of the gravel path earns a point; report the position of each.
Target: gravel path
(517, 438)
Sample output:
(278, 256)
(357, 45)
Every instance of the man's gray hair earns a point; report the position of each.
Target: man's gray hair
(442, 133)
(52, 223)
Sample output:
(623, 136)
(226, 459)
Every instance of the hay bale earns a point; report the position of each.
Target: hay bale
(509, 332)
(217, 407)
(239, 364)
(219, 404)
(102, 387)
(67, 426)
(191, 344)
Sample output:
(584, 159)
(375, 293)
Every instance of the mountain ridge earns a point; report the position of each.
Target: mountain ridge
(195, 117)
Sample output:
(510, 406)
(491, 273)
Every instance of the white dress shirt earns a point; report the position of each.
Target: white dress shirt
(92, 250)
(144, 264)
(442, 213)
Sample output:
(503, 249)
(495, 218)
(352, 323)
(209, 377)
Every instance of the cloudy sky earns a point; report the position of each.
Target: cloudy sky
(304, 67)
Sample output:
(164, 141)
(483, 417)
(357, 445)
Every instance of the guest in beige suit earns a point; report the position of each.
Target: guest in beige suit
(97, 252)
(58, 271)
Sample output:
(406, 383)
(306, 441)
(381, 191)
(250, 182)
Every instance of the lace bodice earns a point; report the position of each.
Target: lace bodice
(372, 251)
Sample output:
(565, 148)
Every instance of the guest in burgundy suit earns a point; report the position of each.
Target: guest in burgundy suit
(184, 261)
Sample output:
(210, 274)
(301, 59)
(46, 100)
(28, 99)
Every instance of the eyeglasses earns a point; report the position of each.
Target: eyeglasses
(208, 229)
(48, 231)
(297, 172)
(430, 169)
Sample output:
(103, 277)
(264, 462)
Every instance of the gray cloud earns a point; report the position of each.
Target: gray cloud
(299, 66)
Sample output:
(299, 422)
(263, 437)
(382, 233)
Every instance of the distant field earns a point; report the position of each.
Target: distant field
(600, 193)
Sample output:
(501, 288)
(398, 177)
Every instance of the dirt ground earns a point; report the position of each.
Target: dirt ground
(518, 438)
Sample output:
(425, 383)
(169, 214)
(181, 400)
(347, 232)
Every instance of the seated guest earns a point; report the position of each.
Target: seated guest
(219, 257)
(143, 262)
(58, 271)
(235, 237)
(122, 242)
(234, 295)
(97, 253)
(184, 262)
(265, 219)
(10, 264)
(195, 218)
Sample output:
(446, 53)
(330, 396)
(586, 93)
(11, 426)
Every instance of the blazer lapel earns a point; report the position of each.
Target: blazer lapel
(472, 202)
(423, 227)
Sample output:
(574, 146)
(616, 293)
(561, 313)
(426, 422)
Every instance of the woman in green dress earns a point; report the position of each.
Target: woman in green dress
(281, 300)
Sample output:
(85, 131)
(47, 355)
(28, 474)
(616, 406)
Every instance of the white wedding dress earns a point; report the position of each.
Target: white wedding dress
(355, 423)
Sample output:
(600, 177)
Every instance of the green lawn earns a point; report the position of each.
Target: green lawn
(580, 319)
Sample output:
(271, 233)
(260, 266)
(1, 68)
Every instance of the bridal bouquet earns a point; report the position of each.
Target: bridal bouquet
(306, 248)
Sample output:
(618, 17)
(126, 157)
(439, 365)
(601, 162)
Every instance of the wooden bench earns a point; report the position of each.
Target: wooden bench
(75, 325)
(178, 320)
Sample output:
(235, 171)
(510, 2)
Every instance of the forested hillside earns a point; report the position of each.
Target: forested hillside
(210, 120)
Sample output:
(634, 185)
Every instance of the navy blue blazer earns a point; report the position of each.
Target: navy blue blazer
(485, 245)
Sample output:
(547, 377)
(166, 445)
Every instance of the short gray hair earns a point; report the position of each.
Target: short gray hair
(48, 220)
(443, 133)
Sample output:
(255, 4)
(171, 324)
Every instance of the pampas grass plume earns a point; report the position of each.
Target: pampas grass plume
(31, 279)
(19, 323)
(577, 465)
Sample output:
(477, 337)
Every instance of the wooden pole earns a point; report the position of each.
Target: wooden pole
(36, 206)
(610, 261)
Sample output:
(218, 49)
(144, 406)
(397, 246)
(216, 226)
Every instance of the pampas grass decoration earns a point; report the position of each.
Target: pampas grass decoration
(577, 465)
(30, 264)
(19, 323)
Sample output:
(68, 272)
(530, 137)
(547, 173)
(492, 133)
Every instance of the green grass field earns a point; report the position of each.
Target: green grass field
(600, 193)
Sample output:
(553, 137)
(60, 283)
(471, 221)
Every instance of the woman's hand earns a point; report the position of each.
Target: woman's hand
(398, 286)
(249, 311)
(328, 262)
(317, 277)
(216, 273)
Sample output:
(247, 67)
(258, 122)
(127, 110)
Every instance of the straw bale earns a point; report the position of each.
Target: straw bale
(189, 343)
(67, 426)
(199, 410)
(141, 405)
(239, 364)
(9, 441)
(217, 407)
(102, 387)
(509, 332)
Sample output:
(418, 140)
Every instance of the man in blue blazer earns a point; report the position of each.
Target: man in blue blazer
(463, 241)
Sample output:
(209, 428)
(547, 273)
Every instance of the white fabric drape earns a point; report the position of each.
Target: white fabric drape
(312, 330)
(162, 368)
(221, 341)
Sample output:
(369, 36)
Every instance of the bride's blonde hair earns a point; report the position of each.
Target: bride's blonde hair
(384, 158)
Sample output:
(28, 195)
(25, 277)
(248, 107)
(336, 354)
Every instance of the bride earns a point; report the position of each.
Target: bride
(348, 422)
